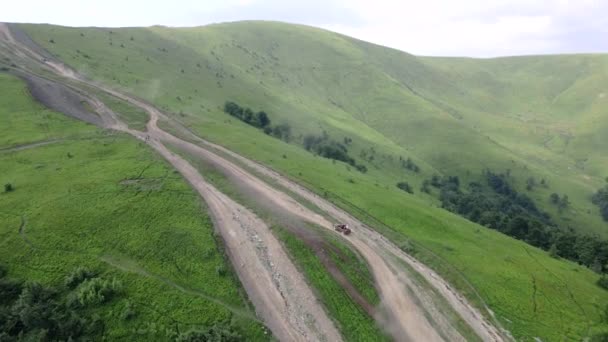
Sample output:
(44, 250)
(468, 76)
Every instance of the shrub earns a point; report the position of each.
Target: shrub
(405, 186)
(128, 311)
(96, 291)
(603, 282)
(361, 168)
(282, 131)
(77, 277)
(426, 186)
(8, 187)
(221, 270)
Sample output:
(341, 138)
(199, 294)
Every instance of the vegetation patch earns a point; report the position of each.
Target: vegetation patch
(326, 147)
(31, 311)
(497, 205)
(600, 198)
(259, 120)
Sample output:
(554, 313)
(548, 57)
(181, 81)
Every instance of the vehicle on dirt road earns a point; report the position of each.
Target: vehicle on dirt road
(342, 228)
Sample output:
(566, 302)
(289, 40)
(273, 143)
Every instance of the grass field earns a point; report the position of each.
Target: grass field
(105, 201)
(451, 116)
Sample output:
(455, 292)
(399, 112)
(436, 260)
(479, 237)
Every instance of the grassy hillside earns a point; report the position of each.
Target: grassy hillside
(450, 116)
(86, 199)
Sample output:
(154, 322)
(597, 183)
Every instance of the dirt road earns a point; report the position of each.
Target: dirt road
(277, 290)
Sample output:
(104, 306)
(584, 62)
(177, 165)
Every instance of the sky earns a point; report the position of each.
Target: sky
(475, 28)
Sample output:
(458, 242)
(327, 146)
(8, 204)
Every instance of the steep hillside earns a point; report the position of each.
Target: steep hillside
(536, 116)
(80, 201)
(452, 117)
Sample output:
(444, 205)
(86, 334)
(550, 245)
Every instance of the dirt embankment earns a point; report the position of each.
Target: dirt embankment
(60, 98)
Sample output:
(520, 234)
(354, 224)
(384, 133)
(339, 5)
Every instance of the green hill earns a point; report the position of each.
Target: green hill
(528, 117)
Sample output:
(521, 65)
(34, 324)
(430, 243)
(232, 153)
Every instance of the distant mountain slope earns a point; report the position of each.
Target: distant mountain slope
(540, 117)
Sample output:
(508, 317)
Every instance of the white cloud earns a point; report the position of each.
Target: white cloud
(430, 27)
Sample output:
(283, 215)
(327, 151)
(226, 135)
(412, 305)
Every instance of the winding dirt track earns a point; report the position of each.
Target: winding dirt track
(277, 290)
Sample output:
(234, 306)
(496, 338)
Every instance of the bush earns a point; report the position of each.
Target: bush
(282, 131)
(221, 270)
(603, 282)
(33, 312)
(128, 311)
(600, 198)
(405, 186)
(78, 276)
(96, 291)
(8, 187)
(361, 168)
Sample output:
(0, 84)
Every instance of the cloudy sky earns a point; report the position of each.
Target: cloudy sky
(480, 28)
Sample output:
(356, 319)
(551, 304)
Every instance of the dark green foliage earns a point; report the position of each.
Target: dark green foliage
(499, 206)
(78, 276)
(603, 282)
(258, 120)
(128, 312)
(361, 168)
(95, 291)
(221, 271)
(601, 337)
(326, 147)
(600, 198)
(32, 312)
(215, 333)
(262, 119)
(426, 186)
(410, 165)
(8, 187)
(282, 131)
(405, 186)
(553, 252)
(561, 202)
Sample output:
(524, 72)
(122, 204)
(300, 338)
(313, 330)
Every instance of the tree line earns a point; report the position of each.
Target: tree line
(259, 120)
(496, 204)
(326, 147)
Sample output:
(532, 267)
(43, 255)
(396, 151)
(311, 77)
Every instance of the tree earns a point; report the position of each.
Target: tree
(248, 116)
(564, 203)
(8, 187)
(282, 131)
(405, 186)
(262, 119)
(603, 282)
(530, 184)
(426, 186)
(553, 252)
(554, 198)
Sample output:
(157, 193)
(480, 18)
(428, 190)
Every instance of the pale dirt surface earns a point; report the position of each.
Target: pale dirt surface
(277, 290)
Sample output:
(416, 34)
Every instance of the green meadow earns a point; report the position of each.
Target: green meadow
(104, 201)
(539, 117)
